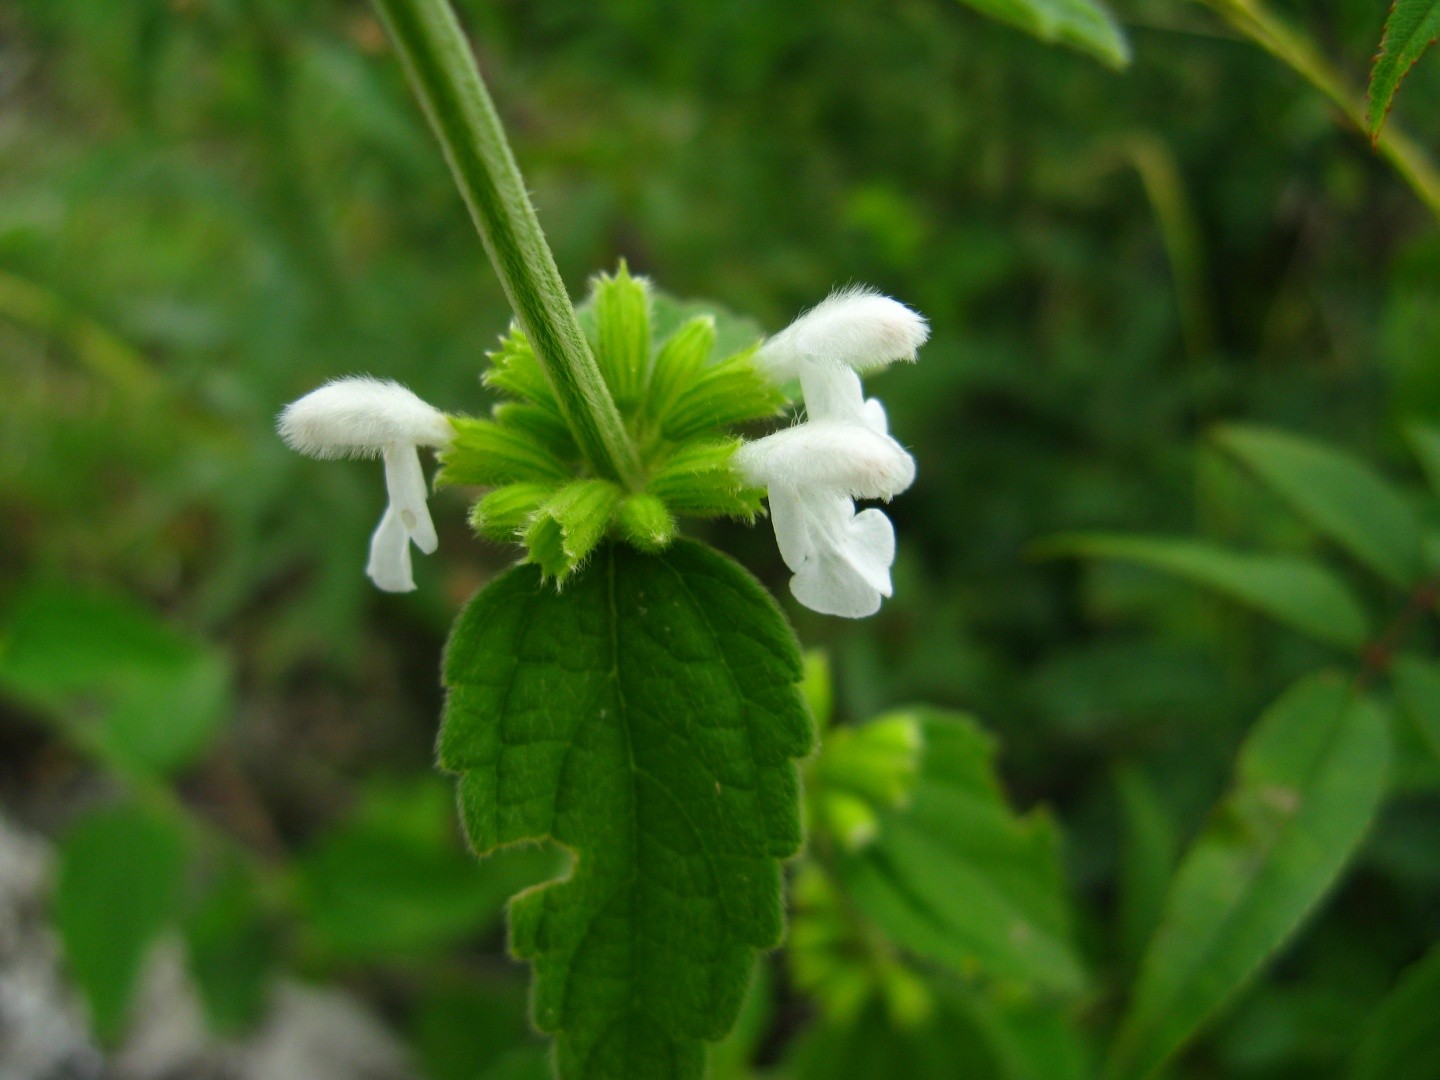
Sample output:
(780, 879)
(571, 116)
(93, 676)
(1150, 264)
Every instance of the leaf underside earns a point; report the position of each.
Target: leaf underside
(646, 720)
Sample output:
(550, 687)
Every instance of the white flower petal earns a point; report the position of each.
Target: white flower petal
(792, 532)
(389, 565)
(858, 328)
(848, 572)
(848, 458)
(841, 560)
(831, 392)
(360, 416)
(405, 484)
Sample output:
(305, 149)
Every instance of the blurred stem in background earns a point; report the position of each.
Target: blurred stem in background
(444, 75)
(1254, 21)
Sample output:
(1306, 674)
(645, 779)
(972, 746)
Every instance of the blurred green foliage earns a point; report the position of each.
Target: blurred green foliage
(207, 207)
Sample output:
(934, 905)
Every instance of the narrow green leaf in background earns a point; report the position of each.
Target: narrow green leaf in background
(119, 885)
(1147, 859)
(1425, 442)
(958, 877)
(1086, 25)
(646, 721)
(1417, 689)
(131, 688)
(1310, 778)
(1296, 592)
(1412, 28)
(1339, 495)
(1402, 1035)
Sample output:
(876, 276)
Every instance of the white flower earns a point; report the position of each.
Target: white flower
(815, 470)
(364, 417)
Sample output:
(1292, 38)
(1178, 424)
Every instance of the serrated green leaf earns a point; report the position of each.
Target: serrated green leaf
(119, 885)
(957, 877)
(1400, 1037)
(646, 720)
(123, 683)
(1086, 25)
(1298, 593)
(1340, 496)
(620, 305)
(1310, 779)
(1413, 26)
(1417, 690)
(485, 453)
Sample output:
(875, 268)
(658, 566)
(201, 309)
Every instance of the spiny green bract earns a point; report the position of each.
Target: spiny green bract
(678, 400)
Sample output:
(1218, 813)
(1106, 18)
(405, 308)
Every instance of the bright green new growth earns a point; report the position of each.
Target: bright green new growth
(677, 399)
(647, 721)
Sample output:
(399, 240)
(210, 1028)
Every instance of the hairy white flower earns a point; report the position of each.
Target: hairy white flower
(815, 470)
(841, 559)
(364, 417)
(857, 328)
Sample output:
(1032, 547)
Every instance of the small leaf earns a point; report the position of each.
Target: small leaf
(503, 514)
(515, 370)
(126, 685)
(1298, 593)
(733, 333)
(1413, 26)
(119, 885)
(1337, 494)
(646, 720)
(486, 453)
(730, 392)
(1400, 1037)
(568, 525)
(956, 876)
(1417, 689)
(646, 523)
(621, 309)
(700, 479)
(1086, 25)
(680, 359)
(1310, 778)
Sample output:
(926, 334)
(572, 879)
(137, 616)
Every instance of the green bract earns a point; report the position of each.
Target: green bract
(679, 384)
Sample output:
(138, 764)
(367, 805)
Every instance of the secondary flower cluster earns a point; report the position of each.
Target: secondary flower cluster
(679, 393)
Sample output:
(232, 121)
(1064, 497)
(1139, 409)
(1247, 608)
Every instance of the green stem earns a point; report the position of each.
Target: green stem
(1297, 52)
(444, 75)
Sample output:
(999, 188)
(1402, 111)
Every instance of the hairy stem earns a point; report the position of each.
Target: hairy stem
(444, 75)
(1292, 48)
